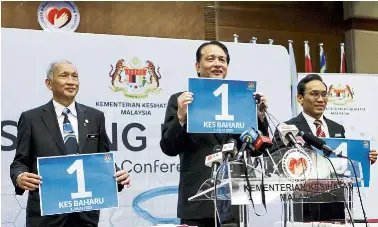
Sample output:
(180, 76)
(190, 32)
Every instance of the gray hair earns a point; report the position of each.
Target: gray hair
(52, 66)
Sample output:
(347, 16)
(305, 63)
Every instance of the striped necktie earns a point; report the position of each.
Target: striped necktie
(319, 130)
(69, 137)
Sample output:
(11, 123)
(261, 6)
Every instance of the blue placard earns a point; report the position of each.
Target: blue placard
(75, 183)
(221, 106)
(357, 150)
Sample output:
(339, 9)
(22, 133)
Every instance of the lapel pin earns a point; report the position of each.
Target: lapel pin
(86, 122)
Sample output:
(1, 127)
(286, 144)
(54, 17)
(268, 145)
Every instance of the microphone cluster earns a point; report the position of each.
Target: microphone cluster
(255, 144)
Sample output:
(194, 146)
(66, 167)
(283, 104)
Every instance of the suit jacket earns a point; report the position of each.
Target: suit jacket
(38, 135)
(335, 130)
(315, 211)
(192, 149)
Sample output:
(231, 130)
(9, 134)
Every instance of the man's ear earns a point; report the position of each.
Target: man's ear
(48, 83)
(197, 65)
(300, 99)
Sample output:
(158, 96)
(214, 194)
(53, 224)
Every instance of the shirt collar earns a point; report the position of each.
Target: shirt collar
(311, 120)
(59, 108)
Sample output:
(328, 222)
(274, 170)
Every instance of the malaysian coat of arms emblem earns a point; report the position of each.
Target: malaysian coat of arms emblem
(135, 80)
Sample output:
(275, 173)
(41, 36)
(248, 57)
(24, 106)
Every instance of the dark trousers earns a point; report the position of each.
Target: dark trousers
(205, 222)
(319, 211)
(208, 222)
(229, 216)
(72, 220)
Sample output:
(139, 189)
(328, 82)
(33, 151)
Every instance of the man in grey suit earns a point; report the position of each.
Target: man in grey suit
(60, 127)
(312, 95)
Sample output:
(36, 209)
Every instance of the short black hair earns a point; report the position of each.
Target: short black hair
(310, 77)
(214, 42)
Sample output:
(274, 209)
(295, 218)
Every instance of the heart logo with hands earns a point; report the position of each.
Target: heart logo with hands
(59, 17)
(297, 166)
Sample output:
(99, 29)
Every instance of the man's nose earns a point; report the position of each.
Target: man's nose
(217, 62)
(71, 80)
(321, 99)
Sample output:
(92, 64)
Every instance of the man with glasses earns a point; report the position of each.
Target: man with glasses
(312, 95)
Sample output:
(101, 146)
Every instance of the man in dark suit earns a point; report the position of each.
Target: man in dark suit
(312, 95)
(212, 62)
(59, 127)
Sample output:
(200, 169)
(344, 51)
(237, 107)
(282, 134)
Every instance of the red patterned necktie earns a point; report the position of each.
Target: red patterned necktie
(319, 130)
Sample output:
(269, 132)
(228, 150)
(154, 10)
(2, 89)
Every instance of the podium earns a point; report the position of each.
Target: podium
(271, 190)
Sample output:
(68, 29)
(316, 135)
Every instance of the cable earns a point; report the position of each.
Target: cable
(343, 183)
(339, 182)
(270, 116)
(215, 217)
(274, 140)
(304, 177)
(270, 128)
(150, 194)
(358, 190)
(215, 192)
(245, 165)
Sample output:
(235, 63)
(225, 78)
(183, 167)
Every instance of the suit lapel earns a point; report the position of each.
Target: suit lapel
(302, 124)
(51, 122)
(331, 129)
(82, 126)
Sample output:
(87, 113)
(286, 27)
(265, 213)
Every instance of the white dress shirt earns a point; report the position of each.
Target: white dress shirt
(310, 121)
(72, 117)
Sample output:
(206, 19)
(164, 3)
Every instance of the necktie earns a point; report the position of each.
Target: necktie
(319, 130)
(69, 137)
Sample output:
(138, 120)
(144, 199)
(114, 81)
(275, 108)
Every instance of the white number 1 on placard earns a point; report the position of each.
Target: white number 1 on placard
(78, 167)
(342, 149)
(223, 89)
(343, 163)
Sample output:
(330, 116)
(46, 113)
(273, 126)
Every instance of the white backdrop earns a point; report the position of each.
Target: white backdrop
(358, 114)
(26, 55)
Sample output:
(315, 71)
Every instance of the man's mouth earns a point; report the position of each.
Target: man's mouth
(320, 106)
(71, 89)
(217, 72)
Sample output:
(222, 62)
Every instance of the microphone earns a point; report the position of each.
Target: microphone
(247, 137)
(300, 140)
(262, 144)
(214, 160)
(258, 99)
(229, 150)
(319, 144)
(288, 133)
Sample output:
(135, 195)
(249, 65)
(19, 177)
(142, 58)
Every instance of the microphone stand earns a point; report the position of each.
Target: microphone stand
(243, 209)
(271, 158)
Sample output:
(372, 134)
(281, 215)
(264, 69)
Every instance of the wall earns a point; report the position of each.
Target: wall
(299, 21)
(360, 9)
(183, 20)
(361, 19)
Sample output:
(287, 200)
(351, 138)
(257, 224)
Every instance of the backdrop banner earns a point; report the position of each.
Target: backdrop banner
(130, 79)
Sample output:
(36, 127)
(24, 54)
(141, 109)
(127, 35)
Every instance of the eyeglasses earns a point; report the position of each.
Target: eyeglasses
(317, 94)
